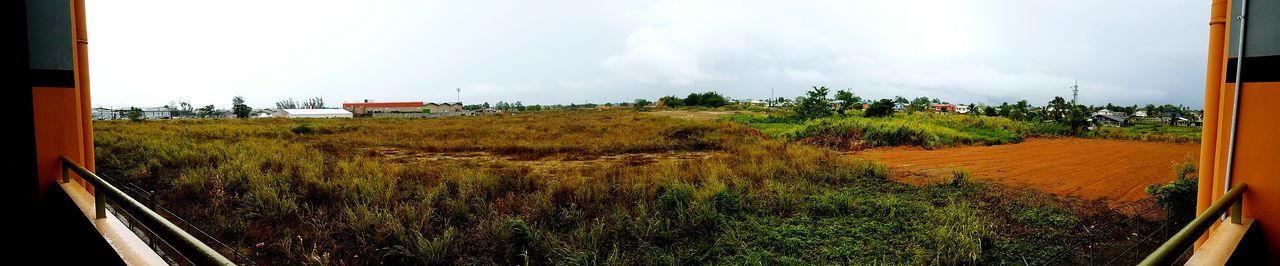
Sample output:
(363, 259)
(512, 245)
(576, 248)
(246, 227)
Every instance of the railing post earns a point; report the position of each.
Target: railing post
(1237, 211)
(66, 173)
(99, 203)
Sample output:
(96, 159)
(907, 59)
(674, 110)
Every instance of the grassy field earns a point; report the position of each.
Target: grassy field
(1149, 132)
(927, 130)
(931, 130)
(477, 190)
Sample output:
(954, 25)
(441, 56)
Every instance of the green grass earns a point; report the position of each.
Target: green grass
(1149, 132)
(916, 129)
(319, 196)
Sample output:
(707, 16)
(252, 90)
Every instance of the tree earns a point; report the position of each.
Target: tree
(919, 104)
(313, 103)
(814, 104)
(185, 109)
(847, 100)
(711, 99)
(1077, 117)
(641, 105)
(881, 108)
(670, 101)
(900, 100)
(206, 111)
(693, 99)
(1019, 110)
(134, 114)
(239, 108)
(287, 104)
(973, 111)
(1057, 109)
(989, 111)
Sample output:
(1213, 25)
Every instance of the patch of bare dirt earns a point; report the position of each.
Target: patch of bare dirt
(1117, 171)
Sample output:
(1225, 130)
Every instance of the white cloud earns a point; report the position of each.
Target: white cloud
(555, 51)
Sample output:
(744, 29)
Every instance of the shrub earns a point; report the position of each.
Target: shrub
(1178, 197)
(881, 108)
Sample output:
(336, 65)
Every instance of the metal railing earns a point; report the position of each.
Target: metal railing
(1174, 248)
(185, 244)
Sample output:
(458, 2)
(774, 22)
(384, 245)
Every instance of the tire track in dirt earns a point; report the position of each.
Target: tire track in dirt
(1114, 170)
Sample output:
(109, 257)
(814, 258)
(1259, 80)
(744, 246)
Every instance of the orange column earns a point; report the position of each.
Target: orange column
(82, 82)
(1213, 82)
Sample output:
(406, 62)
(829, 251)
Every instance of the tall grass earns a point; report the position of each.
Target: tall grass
(903, 129)
(327, 194)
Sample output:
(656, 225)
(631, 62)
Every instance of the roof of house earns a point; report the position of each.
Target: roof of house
(315, 111)
(383, 104)
(453, 103)
(1112, 117)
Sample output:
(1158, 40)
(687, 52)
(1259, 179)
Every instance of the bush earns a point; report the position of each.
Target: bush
(1178, 197)
(881, 108)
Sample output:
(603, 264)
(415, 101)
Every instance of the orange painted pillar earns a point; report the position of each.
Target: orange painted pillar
(82, 82)
(1212, 89)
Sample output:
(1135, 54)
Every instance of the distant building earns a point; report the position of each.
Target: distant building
(1140, 113)
(944, 107)
(443, 107)
(313, 113)
(367, 108)
(1109, 120)
(106, 114)
(963, 109)
(1111, 113)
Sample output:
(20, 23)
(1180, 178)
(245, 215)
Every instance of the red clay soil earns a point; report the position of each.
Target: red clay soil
(1114, 170)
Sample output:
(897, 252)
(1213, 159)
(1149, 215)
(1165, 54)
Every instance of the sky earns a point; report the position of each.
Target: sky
(153, 52)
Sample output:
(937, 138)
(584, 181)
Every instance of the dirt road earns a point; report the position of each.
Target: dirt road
(1118, 171)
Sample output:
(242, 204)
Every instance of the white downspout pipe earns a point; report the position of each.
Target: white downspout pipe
(1235, 104)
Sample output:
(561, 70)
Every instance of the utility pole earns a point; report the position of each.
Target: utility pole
(771, 98)
(459, 95)
(1075, 92)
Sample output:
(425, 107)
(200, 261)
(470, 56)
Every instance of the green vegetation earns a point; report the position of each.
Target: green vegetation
(539, 188)
(1149, 132)
(708, 99)
(1178, 197)
(922, 129)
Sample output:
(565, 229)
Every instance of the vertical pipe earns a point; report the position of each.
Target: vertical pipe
(1235, 103)
(82, 75)
(1212, 90)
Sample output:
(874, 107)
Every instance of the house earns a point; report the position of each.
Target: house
(1140, 113)
(106, 114)
(1109, 120)
(1111, 113)
(313, 113)
(367, 108)
(963, 109)
(443, 107)
(158, 112)
(943, 107)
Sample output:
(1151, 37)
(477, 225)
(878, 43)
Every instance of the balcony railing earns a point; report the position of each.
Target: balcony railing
(186, 245)
(1174, 248)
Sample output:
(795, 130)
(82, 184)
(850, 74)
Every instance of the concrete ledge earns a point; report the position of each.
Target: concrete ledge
(127, 244)
(1222, 244)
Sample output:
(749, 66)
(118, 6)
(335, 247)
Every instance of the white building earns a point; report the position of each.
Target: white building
(963, 109)
(312, 113)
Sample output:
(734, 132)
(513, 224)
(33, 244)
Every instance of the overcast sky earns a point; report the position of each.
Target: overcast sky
(148, 53)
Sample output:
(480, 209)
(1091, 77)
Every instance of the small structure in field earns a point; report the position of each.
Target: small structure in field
(963, 109)
(312, 113)
(1110, 120)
